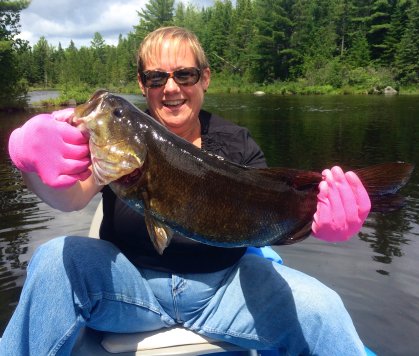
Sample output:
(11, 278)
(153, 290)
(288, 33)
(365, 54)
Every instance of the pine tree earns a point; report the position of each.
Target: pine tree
(358, 55)
(157, 13)
(395, 33)
(219, 28)
(241, 37)
(271, 27)
(189, 17)
(407, 63)
(379, 26)
(42, 60)
(12, 86)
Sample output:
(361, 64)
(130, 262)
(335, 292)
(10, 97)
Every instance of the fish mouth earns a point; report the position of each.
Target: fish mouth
(114, 162)
(115, 149)
(86, 112)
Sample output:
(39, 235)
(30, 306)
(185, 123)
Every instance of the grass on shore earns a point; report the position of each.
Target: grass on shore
(77, 94)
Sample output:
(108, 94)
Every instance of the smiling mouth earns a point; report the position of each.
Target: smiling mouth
(174, 103)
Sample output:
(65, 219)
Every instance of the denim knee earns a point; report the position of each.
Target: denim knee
(326, 310)
(47, 254)
(59, 253)
(326, 303)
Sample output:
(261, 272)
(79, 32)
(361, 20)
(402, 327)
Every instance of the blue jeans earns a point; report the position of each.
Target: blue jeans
(74, 282)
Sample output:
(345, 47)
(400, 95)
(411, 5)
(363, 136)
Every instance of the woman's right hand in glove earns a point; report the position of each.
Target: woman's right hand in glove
(53, 149)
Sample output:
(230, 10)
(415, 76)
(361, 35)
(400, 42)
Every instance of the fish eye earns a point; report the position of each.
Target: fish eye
(118, 112)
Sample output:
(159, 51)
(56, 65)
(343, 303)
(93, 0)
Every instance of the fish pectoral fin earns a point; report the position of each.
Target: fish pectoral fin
(160, 234)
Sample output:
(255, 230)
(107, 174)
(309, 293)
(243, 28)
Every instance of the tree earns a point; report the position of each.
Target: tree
(98, 46)
(219, 28)
(190, 18)
(157, 13)
(241, 36)
(70, 73)
(299, 36)
(12, 85)
(322, 42)
(395, 33)
(358, 55)
(98, 51)
(379, 26)
(42, 61)
(271, 28)
(408, 52)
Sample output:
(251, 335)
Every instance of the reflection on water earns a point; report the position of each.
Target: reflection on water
(19, 216)
(376, 273)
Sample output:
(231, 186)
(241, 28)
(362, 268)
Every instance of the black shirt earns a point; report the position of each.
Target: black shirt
(127, 230)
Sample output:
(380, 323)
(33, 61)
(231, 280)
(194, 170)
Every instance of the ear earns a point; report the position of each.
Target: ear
(140, 84)
(205, 78)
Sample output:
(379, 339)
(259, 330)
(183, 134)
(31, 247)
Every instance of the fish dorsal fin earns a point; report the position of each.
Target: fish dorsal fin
(295, 178)
(160, 234)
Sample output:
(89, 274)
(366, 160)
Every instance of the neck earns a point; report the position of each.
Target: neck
(191, 133)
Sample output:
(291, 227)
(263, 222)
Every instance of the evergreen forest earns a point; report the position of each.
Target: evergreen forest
(281, 46)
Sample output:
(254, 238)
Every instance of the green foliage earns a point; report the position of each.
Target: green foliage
(407, 63)
(358, 55)
(156, 13)
(80, 93)
(219, 25)
(370, 78)
(277, 46)
(379, 27)
(331, 72)
(13, 85)
(271, 27)
(70, 95)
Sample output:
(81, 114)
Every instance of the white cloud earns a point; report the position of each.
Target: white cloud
(61, 21)
(74, 20)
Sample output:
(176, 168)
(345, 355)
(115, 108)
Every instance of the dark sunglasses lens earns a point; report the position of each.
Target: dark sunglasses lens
(155, 78)
(186, 76)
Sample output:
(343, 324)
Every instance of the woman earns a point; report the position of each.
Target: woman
(123, 285)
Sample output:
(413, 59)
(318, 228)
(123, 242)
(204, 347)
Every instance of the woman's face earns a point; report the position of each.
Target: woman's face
(175, 106)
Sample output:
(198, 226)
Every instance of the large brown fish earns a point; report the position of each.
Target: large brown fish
(179, 187)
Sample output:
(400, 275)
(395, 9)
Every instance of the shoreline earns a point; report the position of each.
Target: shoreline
(78, 95)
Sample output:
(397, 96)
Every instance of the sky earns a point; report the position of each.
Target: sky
(61, 21)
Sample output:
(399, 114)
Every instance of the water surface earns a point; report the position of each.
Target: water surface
(376, 273)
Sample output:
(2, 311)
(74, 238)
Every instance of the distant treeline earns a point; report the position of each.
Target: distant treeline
(338, 43)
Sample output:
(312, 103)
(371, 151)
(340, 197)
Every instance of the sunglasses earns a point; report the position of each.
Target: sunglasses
(183, 76)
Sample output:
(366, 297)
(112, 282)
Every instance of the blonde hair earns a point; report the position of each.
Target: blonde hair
(152, 43)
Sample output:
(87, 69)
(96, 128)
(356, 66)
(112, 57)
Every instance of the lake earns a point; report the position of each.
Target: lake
(376, 272)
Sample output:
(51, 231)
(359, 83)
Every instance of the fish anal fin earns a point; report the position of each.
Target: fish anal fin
(295, 178)
(160, 233)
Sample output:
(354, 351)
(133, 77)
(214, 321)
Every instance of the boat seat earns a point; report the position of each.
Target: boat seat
(96, 220)
(171, 341)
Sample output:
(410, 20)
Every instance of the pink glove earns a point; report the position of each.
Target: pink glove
(47, 145)
(342, 206)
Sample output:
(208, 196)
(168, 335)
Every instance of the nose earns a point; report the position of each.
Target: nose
(171, 85)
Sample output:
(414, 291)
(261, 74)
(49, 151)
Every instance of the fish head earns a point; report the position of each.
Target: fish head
(116, 144)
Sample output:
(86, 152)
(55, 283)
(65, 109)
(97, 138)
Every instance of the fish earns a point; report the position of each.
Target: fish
(180, 188)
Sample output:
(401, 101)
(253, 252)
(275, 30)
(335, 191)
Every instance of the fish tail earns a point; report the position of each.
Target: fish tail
(382, 183)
